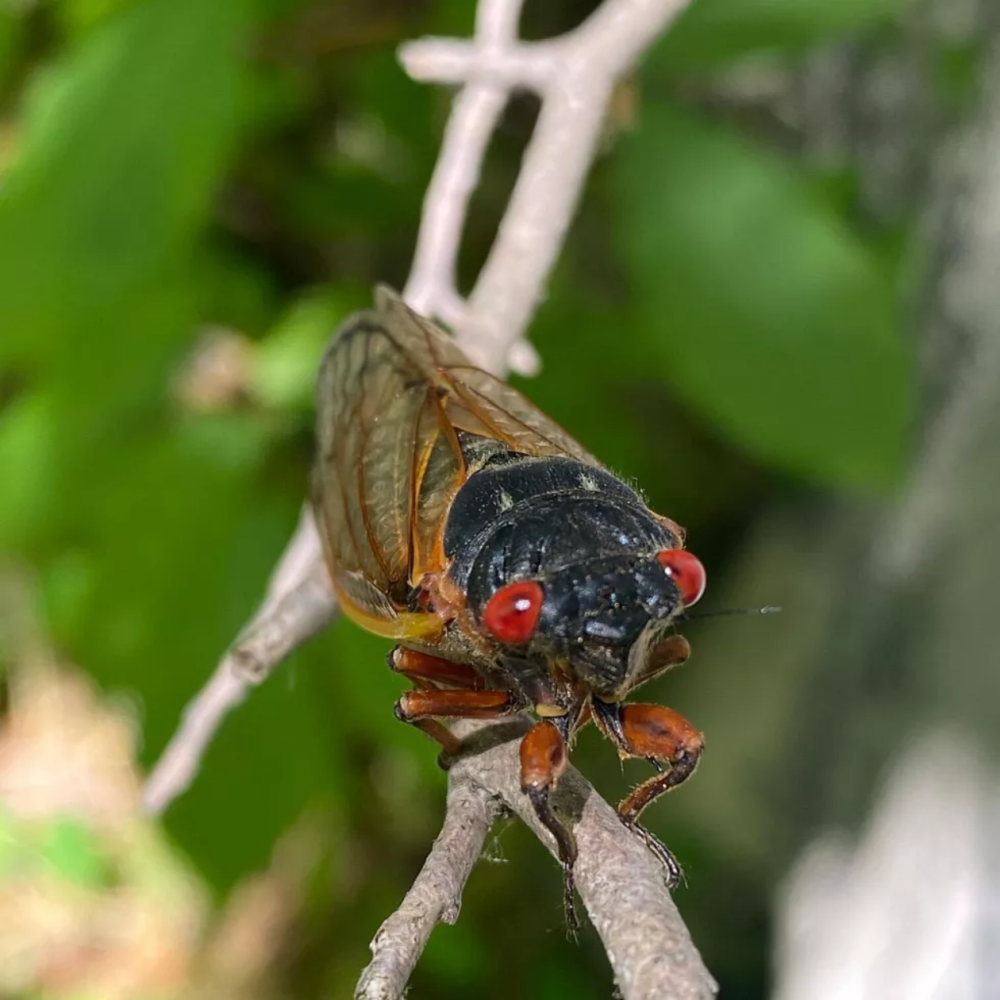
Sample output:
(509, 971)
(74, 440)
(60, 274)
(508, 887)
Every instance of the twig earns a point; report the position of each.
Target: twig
(477, 107)
(574, 75)
(436, 893)
(619, 881)
(621, 886)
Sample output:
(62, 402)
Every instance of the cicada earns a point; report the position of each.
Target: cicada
(514, 571)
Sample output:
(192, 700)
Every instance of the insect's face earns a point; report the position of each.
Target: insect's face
(598, 616)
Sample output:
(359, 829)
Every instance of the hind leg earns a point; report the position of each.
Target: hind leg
(430, 673)
(422, 708)
(426, 671)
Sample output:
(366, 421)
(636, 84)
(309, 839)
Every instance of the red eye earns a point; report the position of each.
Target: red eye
(686, 571)
(511, 613)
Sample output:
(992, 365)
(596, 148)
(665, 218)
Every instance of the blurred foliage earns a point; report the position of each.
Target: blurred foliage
(192, 195)
(769, 305)
(93, 901)
(714, 32)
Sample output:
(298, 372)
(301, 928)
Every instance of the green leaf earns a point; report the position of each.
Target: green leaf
(79, 16)
(122, 144)
(772, 319)
(10, 25)
(27, 445)
(712, 31)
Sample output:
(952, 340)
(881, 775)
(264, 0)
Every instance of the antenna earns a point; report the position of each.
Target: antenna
(730, 613)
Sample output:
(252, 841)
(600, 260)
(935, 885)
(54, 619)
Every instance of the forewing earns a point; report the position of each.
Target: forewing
(476, 402)
(377, 422)
(394, 393)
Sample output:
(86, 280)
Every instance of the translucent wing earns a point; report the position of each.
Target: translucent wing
(400, 410)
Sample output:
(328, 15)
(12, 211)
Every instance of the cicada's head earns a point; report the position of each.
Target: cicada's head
(600, 616)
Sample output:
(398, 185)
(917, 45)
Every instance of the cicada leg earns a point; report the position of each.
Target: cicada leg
(669, 742)
(419, 708)
(543, 759)
(426, 671)
(429, 673)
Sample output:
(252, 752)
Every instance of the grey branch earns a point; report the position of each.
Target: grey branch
(619, 881)
(574, 75)
(436, 893)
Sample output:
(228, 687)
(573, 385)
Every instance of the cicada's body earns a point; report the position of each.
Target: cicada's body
(514, 571)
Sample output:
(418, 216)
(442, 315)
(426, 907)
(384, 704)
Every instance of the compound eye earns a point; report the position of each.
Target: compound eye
(512, 612)
(687, 573)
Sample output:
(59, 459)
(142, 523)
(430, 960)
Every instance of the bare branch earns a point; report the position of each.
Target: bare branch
(431, 287)
(477, 108)
(300, 601)
(593, 59)
(574, 75)
(436, 894)
(620, 882)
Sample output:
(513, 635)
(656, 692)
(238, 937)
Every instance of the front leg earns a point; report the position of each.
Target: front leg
(543, 759)
(663, 737)
(670, 652)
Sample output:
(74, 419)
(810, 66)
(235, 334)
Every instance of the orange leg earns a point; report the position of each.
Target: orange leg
(420, 707)
(662, 736)
(428, 671)
(543, 759)
(455, 704)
